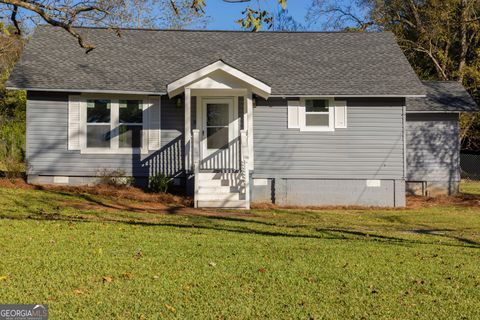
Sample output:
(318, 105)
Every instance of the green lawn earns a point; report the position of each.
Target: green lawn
(470, 187)
(88, 260)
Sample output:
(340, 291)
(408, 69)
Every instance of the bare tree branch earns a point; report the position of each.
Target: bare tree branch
(71, 14)
(14, 20)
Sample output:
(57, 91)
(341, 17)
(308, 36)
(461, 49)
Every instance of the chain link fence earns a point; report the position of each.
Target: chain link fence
(470, 166)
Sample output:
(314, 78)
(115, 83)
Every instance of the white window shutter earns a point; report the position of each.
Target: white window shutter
(340, 114)
(74, 126)
(293, 114)
(153, 123)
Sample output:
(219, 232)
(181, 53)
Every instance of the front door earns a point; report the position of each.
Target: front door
(219, 131)
(217, 125)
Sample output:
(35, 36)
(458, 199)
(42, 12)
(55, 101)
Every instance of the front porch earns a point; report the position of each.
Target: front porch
(218, 134)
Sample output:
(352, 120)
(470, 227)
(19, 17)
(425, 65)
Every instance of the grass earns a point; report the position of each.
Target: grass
(470, 187)
(93, 256)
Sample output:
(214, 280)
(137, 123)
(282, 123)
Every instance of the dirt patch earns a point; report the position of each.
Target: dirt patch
(129, 193)
(167, 203)
(15, 184)
(125, 199)
(464, 200)
(413, 202)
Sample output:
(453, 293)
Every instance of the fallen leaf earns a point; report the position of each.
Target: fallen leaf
(212, 264)
(3, 278)
(262, 270)
(107, 279)
(127, 275)
(78, 291)
(170, 308)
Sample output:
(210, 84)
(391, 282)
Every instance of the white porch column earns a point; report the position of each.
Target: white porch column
(188, 129)
(249, 101)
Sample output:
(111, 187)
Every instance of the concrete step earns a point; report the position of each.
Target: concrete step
(209, 175)
(232, 204)
(218, 196)
(218, 176)
(213, 183)
(202, 189)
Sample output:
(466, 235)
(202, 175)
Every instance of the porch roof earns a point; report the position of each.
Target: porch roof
(146, 61)
(219, 76)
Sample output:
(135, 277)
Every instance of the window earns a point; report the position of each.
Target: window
(98, 123)
(113, 126)
(316, 114)
(217, 125)
(131, 123)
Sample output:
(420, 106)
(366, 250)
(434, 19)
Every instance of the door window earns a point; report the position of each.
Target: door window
(217, 125)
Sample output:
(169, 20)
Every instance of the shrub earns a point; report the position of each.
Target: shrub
(116, 178)
(159, 183)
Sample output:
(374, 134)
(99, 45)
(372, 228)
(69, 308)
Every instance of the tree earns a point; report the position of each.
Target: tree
(283, 21)
(12, 105)
(154, 14)
(441, 39)
(68, 13)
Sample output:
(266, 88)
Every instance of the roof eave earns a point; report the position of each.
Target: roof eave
(87, 90)
(346, 96)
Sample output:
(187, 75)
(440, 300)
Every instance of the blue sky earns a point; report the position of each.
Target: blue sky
(223, 15)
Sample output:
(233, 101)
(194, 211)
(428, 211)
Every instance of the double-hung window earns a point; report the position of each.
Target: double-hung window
(317, 114)
(113, 126)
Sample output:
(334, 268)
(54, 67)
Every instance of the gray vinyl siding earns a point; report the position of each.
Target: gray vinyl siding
(433, 147)
(371, 147)
(47, 137)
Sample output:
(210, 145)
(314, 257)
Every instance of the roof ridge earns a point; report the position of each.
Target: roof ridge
(207, 30)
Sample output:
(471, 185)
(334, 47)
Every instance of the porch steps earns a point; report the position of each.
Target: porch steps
(229, 204)
(219, 190)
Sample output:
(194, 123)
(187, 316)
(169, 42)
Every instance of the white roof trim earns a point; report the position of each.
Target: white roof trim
(88, 91)
(345, 96)
(440, 111)
(263, 89)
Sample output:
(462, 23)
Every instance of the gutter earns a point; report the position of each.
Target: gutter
(88, 91)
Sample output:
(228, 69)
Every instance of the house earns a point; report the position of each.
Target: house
(236, 117)
(433, 138)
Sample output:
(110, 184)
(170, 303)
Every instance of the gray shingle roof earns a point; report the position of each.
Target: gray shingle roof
(147, 60)
(443, 96)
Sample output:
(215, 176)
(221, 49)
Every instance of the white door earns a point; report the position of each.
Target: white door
(218, 129)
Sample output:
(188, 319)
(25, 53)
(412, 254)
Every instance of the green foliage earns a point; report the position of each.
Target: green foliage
(12, 143)
(158, 183)
(12, 109)
(115, 177)
(255, 19)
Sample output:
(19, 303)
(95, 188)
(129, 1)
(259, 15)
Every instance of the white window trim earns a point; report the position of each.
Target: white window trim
(331, 115)
(114, 124)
